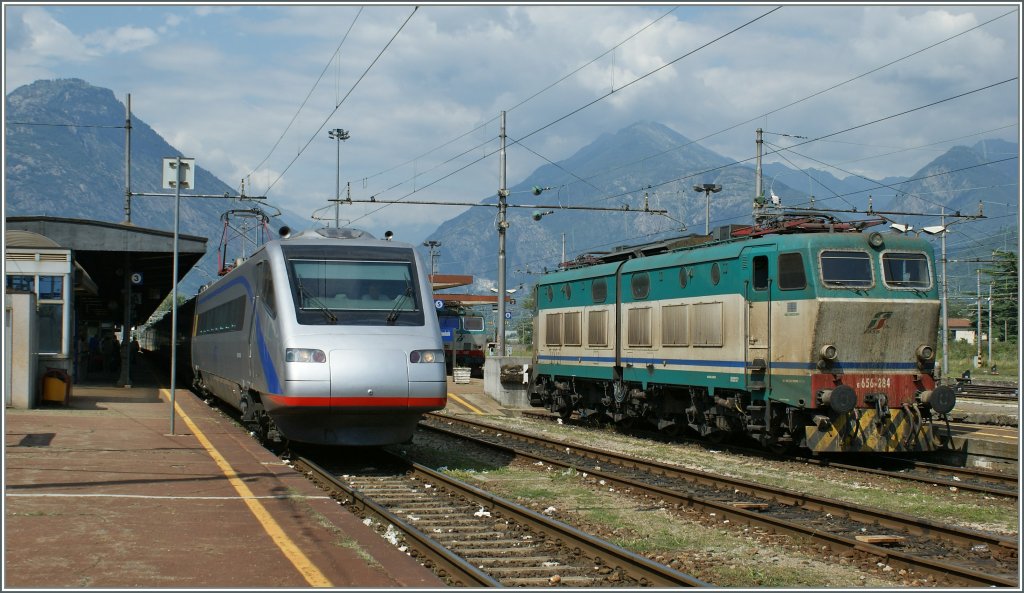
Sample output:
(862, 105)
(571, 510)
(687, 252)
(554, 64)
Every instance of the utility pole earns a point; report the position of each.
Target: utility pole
(502, 226)
(432, 246)
(945, 311)
(339, 135)
(126, 355)
(977, 362)
(128, 159)
(758, 189)
(708, 189)
(990, 324)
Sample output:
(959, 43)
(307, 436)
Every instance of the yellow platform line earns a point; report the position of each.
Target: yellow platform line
(465, 403)
(291, 551)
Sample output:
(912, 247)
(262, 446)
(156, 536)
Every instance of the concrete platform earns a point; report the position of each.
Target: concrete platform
(100, 494)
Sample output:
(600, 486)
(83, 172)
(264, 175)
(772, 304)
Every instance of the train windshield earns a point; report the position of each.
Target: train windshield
(846, 269)
(906, 270)
(337, 288)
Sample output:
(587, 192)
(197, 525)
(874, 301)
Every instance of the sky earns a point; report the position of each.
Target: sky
(251, 90)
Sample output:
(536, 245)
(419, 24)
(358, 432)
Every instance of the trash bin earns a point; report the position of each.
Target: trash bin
(56, 386)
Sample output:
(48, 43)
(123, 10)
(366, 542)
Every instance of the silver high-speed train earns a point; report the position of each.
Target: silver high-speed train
(326, 337)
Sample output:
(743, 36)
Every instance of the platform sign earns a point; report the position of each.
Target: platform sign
(449, 326)
(172, 175)
(137, 278)
(508, 314)
(439, 304)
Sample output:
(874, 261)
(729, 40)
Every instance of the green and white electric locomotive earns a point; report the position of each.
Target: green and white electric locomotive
(824, 339)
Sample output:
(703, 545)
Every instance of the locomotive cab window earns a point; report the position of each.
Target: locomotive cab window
(473, 324)
(846, 269)
(906, 270)
(354, 286)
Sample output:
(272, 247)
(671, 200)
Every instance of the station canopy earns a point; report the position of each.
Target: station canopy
(103, 251)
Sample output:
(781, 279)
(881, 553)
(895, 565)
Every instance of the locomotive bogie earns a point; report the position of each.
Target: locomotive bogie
(781, 338)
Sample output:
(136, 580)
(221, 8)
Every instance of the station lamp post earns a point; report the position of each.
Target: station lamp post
(339, 135)
(708, 189)
(432, 246)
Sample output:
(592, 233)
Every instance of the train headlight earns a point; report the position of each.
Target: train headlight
(925, 353)
(304, 355)
(829, 352)
(427, 356)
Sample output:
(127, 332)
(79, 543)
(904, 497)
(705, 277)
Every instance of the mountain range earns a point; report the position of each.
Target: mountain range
(65, 157)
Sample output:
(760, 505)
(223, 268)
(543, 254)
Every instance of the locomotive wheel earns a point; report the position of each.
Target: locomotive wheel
(716, 438)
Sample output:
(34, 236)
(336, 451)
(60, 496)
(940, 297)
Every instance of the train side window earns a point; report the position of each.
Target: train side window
(553, 329)
(638, 325)
(791, 272)
(267, 289)
(599, 290)
(716, 274)
(640, 284)
(684, 274)
(571, 329)
(597, 328)
(674, 331)
(761, 272)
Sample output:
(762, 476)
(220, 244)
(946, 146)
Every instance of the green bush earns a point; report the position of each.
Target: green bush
(1005, 356)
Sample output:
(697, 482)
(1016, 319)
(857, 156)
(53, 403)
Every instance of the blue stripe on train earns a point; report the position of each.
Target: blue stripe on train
(269, 372)
(808, 366)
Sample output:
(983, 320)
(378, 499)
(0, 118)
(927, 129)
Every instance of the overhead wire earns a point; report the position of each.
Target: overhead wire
(812, 95)
(523, 102)
(310, 93)
(585, 106)
(343, 99)
(829, 135)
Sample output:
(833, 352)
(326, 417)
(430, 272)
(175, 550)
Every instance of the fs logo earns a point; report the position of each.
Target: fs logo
(877, 322)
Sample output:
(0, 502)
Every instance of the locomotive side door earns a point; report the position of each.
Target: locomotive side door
(758, 264)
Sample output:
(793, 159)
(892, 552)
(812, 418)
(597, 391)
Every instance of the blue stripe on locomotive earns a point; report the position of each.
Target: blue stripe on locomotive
(269, 372)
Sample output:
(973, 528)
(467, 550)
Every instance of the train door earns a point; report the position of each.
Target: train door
(758, 263)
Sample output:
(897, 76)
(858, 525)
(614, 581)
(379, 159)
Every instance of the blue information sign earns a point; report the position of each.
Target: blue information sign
(449, 325)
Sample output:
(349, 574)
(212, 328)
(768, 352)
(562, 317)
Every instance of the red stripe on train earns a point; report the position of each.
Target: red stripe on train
(358, 402)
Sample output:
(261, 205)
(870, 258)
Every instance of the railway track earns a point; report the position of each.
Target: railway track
(1009, 393)
(960, 557)
(472, 538)
(946, 476)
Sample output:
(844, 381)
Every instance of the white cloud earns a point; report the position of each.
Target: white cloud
(49, 39)
(122, 40)
(226, 81)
